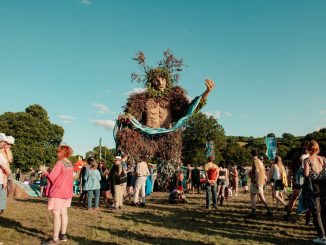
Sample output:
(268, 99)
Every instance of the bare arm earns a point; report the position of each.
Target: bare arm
(209, 87)
(306, 167)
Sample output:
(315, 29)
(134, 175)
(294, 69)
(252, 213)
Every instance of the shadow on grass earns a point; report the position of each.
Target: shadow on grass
(154, 239)
(226, 223)
(12, 224)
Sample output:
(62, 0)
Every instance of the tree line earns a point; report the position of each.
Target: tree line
(37, 140)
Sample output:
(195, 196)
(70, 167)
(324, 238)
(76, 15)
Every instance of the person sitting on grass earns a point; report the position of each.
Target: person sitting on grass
(176, 196)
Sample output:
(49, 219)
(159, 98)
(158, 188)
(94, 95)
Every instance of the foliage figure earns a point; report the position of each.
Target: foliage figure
(161, 105)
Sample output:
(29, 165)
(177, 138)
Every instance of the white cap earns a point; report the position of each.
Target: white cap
(118, 158)
(3, 137)
(10, 140)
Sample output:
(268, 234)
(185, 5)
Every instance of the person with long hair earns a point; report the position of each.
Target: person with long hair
(60, 192)
(223, 175)
(258, 179)
(315, 173)
(105, 188)
(297, 166)
(278, 174)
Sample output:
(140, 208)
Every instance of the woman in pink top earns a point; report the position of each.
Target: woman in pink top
(60, 192)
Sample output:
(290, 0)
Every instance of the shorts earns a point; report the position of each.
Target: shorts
(58, 203)
(220, 182)
(278, 185)
(195, 184)
(255, 190)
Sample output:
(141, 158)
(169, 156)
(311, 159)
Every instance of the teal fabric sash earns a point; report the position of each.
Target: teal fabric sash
(159, 131)
(271, 147)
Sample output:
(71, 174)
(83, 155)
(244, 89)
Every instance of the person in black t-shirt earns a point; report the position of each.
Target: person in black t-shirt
(195, 179)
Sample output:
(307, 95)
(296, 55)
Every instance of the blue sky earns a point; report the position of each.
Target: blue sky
(73, 57)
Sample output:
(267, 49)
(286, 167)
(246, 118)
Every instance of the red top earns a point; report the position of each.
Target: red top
(60, 180)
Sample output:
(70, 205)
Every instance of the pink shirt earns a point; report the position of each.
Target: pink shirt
(60, 180)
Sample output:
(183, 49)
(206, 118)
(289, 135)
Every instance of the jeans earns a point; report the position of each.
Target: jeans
(90, 197)
(3, 197)
(211, 190)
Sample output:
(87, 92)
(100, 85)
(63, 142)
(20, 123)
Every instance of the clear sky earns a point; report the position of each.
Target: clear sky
(74, 57)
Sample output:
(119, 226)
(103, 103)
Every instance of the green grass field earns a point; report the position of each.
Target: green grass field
(27, 221)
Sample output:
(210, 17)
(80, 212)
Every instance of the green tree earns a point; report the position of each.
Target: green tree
(107, 155)
(199, 130)
(36, 137)
(235, 153)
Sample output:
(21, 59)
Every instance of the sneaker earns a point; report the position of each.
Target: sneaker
(319, 240)
(50, 241)
(63, 237)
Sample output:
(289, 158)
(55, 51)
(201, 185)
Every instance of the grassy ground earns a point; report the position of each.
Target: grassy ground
(26, 221)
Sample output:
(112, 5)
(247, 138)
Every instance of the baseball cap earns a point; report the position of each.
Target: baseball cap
(3, 137)
(118, 158)
(10, 140)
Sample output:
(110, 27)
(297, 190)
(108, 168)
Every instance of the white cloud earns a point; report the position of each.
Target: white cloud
(66, 119)
(215, 114)
(228, 114)
(103, 109)
(107, 124)
(323, 112)
(87, 2)
(134, 91)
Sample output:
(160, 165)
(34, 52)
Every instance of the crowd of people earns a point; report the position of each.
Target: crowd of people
(130, 181)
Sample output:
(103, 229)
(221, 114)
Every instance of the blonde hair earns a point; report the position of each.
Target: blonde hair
(313, 147)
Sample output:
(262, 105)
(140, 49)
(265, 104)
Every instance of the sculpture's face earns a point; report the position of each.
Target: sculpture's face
(160, 84)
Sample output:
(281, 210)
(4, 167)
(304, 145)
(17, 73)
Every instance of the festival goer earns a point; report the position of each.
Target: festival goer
(82, 181)
(188, 177)
(120, 183)
(258, 177)
(4, 172)
(278, 174)
(105, 190)
(244, 179)
(60, 192)
(130, 174)
(92, 184)
(297, 166)
(176, 196)
(43, 184)
(235, 180)
(195, 179)
(141, 172)
(211, 173)
(223, 175)
(315, 173)
(180, 180)
(18, 173)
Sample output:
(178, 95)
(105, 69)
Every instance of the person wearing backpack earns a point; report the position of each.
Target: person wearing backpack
(211, 170)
